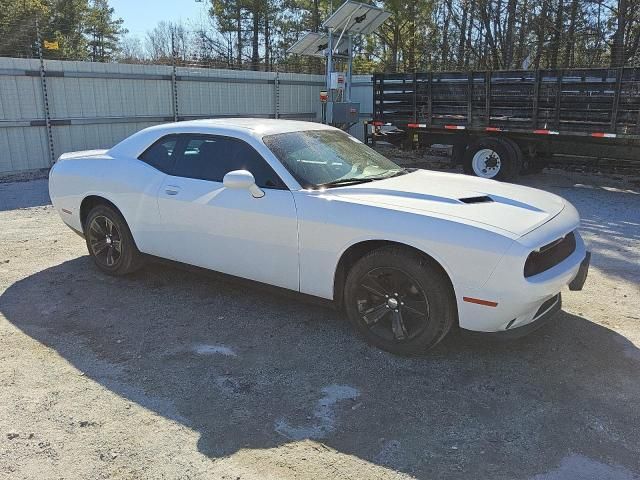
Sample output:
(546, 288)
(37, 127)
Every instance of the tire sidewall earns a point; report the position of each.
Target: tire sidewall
(129, 258)
(432, 281)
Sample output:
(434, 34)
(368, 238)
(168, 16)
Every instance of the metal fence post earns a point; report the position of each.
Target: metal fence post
(277, 94)
(45, 98)
(174, 79)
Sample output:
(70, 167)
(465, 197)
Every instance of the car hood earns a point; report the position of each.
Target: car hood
(508, 207)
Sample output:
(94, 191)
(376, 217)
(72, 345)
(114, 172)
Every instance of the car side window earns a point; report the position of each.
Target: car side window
(208, 157)
(160, 155)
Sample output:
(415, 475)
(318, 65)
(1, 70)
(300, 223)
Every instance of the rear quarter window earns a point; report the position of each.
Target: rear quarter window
(160, 155)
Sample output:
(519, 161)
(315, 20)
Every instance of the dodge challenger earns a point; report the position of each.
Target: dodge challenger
(406, 253)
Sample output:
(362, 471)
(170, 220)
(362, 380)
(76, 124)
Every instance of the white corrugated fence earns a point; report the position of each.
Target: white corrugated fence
(95, 105)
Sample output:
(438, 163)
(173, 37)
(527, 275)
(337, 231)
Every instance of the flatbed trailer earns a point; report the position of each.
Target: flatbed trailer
(504, 123)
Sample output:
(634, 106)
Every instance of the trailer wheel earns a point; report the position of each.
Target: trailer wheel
(491, 157)
(535, 165)
(517, 154)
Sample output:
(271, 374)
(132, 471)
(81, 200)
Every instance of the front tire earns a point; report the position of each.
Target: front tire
(399, 301)
(110, 242)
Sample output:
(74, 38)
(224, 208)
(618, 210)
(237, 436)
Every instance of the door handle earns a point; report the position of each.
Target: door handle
(172, 190)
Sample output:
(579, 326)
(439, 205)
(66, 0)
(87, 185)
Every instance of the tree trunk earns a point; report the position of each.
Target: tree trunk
(568, 59)
(557, 35)
(315, 16)
(463, 33)
(525, 22)
(541, 33)
(267, 41)
(255, 38)
(411, 54)
(468, 48)
(490, 45)
(239, 45)
(617, 46)
(395, 49)
(445, 40)
(509, 37)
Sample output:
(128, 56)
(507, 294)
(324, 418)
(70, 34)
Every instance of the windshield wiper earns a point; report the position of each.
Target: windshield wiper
(346, 181)
(354, 181)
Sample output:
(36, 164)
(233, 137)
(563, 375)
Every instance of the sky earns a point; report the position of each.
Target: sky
(142, 15)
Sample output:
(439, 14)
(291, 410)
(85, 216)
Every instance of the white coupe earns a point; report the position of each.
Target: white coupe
(407, 253)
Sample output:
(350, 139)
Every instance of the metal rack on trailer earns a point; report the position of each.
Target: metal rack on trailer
(503, 123)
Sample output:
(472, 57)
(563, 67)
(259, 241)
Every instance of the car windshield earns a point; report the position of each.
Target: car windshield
(329, 158)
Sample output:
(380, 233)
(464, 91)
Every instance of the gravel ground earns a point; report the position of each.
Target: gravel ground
(174, 374)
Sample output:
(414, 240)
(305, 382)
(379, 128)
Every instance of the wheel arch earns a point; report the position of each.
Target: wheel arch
(91, 201)
(356, 251)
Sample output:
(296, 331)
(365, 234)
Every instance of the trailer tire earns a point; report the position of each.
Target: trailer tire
(491, 157)
(535, 165)
(517, 152)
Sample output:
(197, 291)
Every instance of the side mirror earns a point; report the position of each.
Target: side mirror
(242, 179)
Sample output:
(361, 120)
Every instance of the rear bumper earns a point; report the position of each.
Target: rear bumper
(543, 316)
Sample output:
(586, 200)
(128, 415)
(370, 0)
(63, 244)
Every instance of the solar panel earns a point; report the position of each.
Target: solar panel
(316, 45)
(358, 18)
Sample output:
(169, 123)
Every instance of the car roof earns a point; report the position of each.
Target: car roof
(263, 126)
(242, 128)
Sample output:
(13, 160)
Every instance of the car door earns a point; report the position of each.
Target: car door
(229, 230)
(145, 176)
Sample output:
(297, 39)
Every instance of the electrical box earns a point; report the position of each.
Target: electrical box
(345, 112)
(337, 81)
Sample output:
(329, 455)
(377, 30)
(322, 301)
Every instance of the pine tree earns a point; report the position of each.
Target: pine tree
(103, 31)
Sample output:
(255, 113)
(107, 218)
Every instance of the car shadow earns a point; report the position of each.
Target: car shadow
(251, 369)
(25, 194)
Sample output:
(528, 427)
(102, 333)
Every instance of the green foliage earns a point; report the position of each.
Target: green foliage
(420, 35)
(18, 28)
(84, 30)
(103, 31)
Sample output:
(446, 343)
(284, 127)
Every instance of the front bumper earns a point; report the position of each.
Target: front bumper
(578, 282)
(518, 298)
(543, 316)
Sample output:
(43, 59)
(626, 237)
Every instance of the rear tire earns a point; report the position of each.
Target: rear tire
(494, 158)
(517, 154)
(110, 242)
(399, 301)
(535, 165)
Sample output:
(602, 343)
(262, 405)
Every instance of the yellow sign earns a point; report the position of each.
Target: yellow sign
(51, 45)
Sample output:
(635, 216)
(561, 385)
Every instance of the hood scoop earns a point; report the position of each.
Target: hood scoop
(480, 199)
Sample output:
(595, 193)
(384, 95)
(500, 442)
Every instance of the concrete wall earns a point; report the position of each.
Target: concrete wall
(95, 105)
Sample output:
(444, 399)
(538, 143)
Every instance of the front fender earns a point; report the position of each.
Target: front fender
(329, 227)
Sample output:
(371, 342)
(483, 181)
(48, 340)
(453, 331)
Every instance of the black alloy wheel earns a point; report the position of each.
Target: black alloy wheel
(105, 241)
(400, 300)
(110, 242)
(392, 304)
